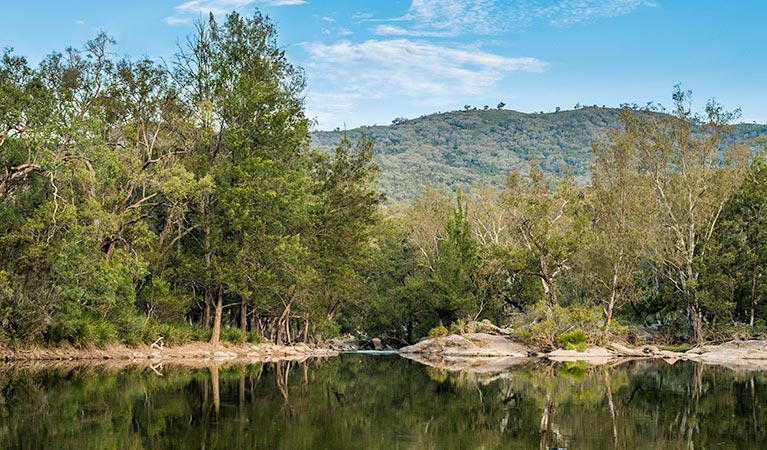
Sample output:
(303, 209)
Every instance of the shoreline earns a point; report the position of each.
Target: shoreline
(193, 351)
(474, 352)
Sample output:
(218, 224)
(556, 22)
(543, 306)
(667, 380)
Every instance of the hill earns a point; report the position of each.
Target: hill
(470, 148)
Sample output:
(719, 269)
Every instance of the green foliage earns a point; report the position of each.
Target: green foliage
(437, 332)
(458, 327)
(234, 335)
(573, 340)
(549, 327)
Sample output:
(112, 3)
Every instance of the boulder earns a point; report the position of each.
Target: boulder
(377, 344)
(470, 344)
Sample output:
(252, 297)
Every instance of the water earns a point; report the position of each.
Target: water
(382, 402)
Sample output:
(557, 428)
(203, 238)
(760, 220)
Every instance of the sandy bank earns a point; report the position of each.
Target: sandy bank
(195, 351)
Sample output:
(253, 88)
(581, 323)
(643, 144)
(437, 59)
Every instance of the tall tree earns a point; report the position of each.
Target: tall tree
(546, 227)
(623, 223)
(692, 175)
(348, 200)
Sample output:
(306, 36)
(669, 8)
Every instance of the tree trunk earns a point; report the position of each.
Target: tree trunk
(282, 325)
(244, 317)
(696, 320)
(548, 289)
(754, 301)
(206, 310)
(216, 334)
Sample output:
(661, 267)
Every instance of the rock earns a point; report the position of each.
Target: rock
(224, 355)
(470, 344)
(377, 344)
(651, 350)
(485, 327)
(622, 350)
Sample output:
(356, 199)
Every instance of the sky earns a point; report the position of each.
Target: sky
(370, 61)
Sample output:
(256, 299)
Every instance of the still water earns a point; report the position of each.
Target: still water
(382, 402)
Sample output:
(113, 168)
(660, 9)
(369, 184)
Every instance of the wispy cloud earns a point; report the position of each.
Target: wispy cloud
(446, 18)
(80, 22)
(191, 9)
(415, 70)
(568, 12)
(451, 18)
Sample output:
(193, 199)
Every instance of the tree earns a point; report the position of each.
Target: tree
(253, 144)
(546, 226)
(623, 223)
(682, 158)
(737, 254)
(347, 211)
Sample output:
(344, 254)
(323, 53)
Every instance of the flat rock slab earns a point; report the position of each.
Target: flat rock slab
(469, 345)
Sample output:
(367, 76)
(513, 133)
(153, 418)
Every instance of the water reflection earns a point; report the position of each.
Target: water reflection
(367, 402)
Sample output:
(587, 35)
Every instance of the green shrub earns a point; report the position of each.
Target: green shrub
(542, 326)
(458, 327)
(438, 331)
(573, 340)
(233, 335)
(254, 337)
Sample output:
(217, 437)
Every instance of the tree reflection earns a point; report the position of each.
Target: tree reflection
(356, 401)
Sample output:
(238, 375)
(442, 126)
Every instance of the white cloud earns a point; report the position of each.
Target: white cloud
(80, 22)
(568, 12)
(193, 8)
(376, 68)
(450, 18)
(286, 2)
(393, 30)
(173, 20)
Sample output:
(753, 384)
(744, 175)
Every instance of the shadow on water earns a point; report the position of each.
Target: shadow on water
(359, 401)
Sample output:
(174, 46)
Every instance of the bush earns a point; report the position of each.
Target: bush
(458, 327)
(438, 331)
(233, 335)
(573, 340)
(254, 337)
(541, 326)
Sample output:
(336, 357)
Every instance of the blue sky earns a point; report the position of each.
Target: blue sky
(369, 61)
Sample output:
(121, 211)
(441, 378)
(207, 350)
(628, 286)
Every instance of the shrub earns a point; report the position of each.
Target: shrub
(458, 327)
(233, 335)
(573, 340)
(254, 337)
(438, 331)
(542, 325)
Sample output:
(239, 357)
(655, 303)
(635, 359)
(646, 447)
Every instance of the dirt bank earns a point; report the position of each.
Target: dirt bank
(192, 351)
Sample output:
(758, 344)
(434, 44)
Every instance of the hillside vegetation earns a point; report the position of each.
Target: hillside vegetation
(476, 147)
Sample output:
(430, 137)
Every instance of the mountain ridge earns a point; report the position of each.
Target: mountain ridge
(462, 149)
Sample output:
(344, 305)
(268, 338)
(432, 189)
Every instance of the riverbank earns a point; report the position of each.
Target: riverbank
(264, 352)
(488, 352)
(477, 352)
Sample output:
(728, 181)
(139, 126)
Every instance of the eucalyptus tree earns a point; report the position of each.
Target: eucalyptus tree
(692, 175)
(623, 224)
(546, 226)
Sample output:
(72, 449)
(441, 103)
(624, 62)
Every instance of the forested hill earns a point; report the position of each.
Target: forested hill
(469, 148)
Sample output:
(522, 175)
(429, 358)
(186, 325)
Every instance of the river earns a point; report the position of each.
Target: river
(357, 401)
